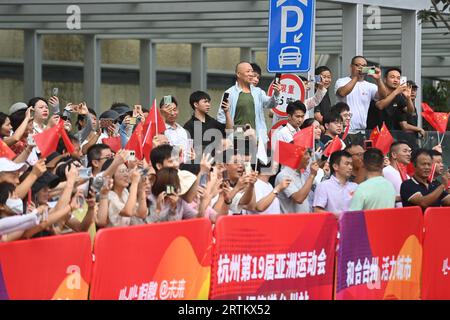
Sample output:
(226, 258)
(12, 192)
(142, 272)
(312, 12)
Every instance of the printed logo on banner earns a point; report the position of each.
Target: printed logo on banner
(265, 258)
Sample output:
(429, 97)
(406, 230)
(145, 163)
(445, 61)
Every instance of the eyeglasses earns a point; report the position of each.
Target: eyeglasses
(359, 65)
(123, 171)
(104, 158)
(347, 115)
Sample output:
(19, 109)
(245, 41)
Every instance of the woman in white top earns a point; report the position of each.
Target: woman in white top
(126, 204)
(41, 113)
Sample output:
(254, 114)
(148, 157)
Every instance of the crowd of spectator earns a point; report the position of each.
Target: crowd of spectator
(97, 176)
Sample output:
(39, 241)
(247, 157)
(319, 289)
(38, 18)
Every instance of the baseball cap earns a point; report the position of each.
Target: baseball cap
(48, 179)
(122, 109)
(109, 114)
(18, 106)
(411, 83)
(7, 165)
(187, 179)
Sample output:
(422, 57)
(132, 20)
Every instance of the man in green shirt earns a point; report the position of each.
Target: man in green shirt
(376, 192)
(246, 102)
(245, 110)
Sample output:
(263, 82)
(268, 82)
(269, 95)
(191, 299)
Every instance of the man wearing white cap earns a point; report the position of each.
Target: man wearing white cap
(11, 171)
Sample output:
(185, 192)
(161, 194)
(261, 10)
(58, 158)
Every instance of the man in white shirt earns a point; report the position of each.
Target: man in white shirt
(296, 111)
(358, 93)
(335, 194)
(176, 134)
(399, 155)
(294, 199)
(266, 196)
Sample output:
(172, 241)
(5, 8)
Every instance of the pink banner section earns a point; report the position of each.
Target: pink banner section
(436, 266)
(57, 267)
(163, 261)
(288, 257)
(380, 254)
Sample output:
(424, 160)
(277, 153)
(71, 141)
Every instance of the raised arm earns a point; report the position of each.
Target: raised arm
(346, 89)
(20, 131)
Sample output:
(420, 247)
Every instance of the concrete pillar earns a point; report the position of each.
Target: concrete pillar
(147, 72)
(32, 66)
(92, 72)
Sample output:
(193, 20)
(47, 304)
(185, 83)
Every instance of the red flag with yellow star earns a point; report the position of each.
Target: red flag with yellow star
(5, 151)
(426, 108)
(441, 119)
(135, 142)
(384, 140)
(289, 154)
(154, 124)
(374, 135)
(333, 146)
(403, 171)
(47, 140)
(305, 137)
(430, 119)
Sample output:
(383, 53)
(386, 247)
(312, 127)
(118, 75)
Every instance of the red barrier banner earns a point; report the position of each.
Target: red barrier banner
(161, 261)
(380, 254)
(436, 255)
(56, 267)
(279, 257)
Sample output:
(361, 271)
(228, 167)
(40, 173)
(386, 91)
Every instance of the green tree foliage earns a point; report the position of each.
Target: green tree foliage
(439, 12)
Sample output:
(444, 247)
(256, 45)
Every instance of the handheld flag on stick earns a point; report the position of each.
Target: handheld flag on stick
(333, 146)
(289, 154)
(5, 151)
(384, 140)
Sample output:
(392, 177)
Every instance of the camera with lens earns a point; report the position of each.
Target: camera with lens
(97, 183)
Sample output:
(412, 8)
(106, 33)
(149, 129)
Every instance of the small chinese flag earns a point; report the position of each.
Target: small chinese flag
(402, 171)
(426, 108)
(346, 132)
(438, 120)
(69, 145)
(154, 124)
(47, 140)
(305, 138)
(135, 142)
(333, 146)
(113, 143)
(384, 140)
(5, 151)
(433, 171)
(430, 119)
(289, 154)
(374, 135)
(410, 170)
(441, 120)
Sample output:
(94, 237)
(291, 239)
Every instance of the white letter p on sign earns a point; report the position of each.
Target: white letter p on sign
(284, 20)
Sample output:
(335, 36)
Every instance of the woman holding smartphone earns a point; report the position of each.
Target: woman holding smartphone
(166, 203)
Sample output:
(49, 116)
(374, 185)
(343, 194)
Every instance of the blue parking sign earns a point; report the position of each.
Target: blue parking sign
(290, 35)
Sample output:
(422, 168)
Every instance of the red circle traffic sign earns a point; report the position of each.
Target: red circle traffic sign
(292, 88)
